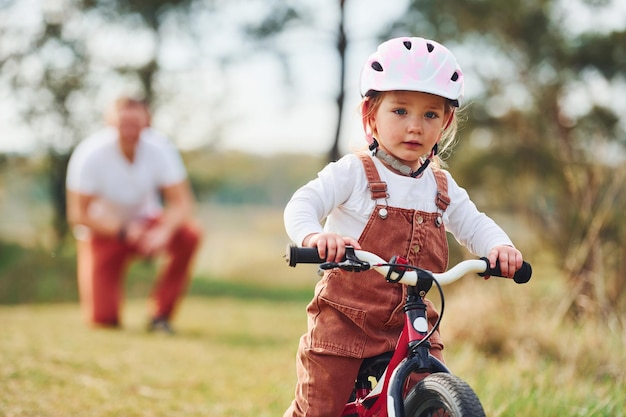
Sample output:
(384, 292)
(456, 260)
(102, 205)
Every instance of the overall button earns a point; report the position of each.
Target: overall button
(416, 248)
(419, 219)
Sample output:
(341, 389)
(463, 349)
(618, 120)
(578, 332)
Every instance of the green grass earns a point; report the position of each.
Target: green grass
(229, 358)
(543, 389)
(235, 357)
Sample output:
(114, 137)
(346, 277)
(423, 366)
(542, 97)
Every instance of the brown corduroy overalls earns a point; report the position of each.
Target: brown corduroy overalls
(360, 315)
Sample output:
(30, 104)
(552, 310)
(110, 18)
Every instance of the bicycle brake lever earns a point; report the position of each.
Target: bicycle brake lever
(329, 265)
(350, 264)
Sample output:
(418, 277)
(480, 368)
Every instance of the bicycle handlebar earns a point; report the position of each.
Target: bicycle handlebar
(299, 255)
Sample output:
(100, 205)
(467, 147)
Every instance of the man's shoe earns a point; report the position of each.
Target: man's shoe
(160, 325)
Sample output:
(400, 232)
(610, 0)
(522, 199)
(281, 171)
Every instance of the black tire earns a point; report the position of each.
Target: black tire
(442, 395)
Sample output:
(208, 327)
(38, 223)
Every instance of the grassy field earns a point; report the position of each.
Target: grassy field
(229, 358)
(234, 357)
(238, 331)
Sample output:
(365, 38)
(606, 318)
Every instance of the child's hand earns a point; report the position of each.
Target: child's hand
(510, 260)
(330, 246)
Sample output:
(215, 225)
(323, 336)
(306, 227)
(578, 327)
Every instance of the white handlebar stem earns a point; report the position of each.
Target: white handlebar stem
(461, 269)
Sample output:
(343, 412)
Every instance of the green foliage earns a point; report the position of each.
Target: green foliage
(35, 275)
(605, 53)
(207, 287)
(277, 17)
(553, 158)
(239, 178)
(38, 275)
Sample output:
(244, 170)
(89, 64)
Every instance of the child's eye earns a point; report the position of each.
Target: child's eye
(400, 111)
(431, 115)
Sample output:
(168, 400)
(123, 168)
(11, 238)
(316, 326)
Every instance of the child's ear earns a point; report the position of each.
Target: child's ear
(369, 121)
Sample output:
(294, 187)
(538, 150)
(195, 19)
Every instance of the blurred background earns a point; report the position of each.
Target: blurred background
(260, 94)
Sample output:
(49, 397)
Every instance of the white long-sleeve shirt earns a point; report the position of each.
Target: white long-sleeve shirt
(341, 196)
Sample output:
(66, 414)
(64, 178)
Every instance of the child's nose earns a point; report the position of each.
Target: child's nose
(414, 125)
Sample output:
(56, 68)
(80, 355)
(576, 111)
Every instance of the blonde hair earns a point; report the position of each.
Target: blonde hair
(371, 102)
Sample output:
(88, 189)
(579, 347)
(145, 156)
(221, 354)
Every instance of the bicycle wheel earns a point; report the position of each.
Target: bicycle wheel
(442, 395)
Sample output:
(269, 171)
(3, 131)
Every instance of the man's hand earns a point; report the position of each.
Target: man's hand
(154, 240)
(148, 238)
(104, 222)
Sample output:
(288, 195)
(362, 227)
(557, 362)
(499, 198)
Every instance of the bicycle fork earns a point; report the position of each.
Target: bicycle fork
(414, 347)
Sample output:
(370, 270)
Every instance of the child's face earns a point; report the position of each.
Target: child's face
(407, 124)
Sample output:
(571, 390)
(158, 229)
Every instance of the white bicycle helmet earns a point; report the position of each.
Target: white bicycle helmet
(413, 64)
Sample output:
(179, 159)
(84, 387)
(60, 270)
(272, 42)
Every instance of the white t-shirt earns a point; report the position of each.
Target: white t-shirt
(340, 194)
(124, 189)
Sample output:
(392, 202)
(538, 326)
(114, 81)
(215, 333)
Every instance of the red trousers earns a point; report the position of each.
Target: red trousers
(102, 264)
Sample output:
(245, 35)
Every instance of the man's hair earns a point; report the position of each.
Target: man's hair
(124, 102)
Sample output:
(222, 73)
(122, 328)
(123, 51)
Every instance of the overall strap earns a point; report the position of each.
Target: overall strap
(378, 188)
(443, 199)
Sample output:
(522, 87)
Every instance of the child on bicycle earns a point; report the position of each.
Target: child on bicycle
(395, 200)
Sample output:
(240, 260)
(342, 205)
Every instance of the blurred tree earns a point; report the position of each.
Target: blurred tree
(544, 129)
(279, 18)
(48, 67)
(342, 46)
(55, 71)
(142, 15)
(44, 66)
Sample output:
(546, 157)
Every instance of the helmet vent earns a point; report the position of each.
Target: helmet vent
(377, 67)
(430, 47)
(455, 76)
(407, 45)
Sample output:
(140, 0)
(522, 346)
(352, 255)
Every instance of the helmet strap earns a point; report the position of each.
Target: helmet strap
(425, 164)
(421, 169)
(399, 166)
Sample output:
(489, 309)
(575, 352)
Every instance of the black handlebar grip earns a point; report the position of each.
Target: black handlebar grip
(521, 276)
(298, 255)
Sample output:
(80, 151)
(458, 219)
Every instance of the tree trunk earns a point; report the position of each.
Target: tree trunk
(334, 153)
